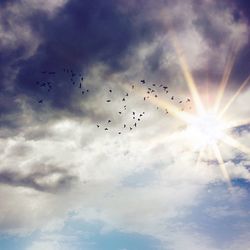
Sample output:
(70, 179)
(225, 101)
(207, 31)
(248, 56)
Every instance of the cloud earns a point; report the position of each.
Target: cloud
(55, 161)
(48, 180)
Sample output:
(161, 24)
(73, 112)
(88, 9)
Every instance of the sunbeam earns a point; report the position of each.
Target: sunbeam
(187, 74)
(227, 71)
(234, 96)
(221, 164)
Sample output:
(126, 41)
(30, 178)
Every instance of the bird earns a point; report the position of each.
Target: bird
(135, 124)
(124, 126)
(119, 133)
(133, 86)
(130, 128)
(80, 86)
(98, 126)
(40, 101)
(106, 129)
(108, 101)
(127, 94)
(109, 121)
(110, 90)
(82, 92)
(180, 101)
(144, 98)
(123, 99)
(143, 81)
(172, 98)
(188, 100)
(120, 112)
(155, 96)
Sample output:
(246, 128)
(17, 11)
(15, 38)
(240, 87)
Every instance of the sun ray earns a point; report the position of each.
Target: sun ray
(221, 164)
(234, 96)
(168, 138)
(187, 74)
(235, 144)
(224, 81)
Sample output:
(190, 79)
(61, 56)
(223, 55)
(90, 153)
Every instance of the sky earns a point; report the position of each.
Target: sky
(178, 179)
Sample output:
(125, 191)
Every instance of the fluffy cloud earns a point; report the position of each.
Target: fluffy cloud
(55, 161)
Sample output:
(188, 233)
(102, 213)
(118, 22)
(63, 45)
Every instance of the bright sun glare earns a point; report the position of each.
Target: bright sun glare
(205, 130)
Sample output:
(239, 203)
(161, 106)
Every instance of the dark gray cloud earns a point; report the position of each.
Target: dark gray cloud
(81, 34)
(242, 9)
(207, 24)
(39, 180)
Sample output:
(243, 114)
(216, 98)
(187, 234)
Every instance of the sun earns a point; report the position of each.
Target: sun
(205, 130)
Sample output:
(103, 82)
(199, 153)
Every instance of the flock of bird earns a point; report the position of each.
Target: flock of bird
(75, 79)
(151, 91)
